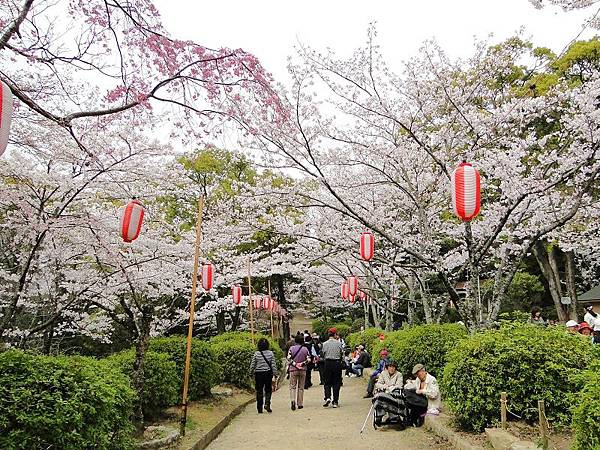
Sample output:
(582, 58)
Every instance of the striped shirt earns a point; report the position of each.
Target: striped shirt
(332, 349)
(259, 364)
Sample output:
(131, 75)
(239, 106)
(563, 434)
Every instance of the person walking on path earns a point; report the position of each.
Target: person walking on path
(310, 346)
(333, 353)
(298, 358)
(263, 365)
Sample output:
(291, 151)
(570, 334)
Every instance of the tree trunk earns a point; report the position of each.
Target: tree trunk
(235, 322)
(411, 300)
(571, 286)
(220, 318)
(141, 345)
(547, 268)
(472, 307)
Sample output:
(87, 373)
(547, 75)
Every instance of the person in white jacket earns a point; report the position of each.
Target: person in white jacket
(389, 379)
(427, 385)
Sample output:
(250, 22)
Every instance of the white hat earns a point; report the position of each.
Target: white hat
(571, 323)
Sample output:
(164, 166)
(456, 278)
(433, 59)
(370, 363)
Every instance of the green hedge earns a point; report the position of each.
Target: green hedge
(367, 338)
(67, 403)
(529, 363)
(161, 379)
(424, 344)
(321, 327)
(586, 415)
(234, 352)
(205, 372)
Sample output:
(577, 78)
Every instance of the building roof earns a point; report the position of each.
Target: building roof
(592, 294)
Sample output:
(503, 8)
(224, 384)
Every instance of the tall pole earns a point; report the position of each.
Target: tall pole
(250, 303)
(188, 351)
(271, 304)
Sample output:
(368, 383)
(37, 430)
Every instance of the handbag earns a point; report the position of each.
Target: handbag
(276, 378)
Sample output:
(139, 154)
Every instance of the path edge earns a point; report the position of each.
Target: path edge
(440, 430)
(214, 432)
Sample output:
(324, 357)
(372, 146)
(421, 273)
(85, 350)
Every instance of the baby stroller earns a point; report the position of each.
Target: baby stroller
(393, 404)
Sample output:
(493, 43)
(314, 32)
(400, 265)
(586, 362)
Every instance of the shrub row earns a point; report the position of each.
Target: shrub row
(529, 363)
(368, 337)
(75, 402)
(321, 327)
(68, 403)
(586, 416)
(234, 352)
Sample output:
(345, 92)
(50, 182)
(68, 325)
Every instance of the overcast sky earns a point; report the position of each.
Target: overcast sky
(270, 29)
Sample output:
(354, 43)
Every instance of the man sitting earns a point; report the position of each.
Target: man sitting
(361, 360)
(389, 400)
(426, 384)
(373, 378)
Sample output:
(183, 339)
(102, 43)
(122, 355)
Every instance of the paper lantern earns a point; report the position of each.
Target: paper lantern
(466, 191)
(268, 303)
(367, 246)
(236, 293)
(132, 218)
(363, 295)
(352, 299)
(345, 290)
(6, 109)
(352, 285)
(257, 302)
(207, 276)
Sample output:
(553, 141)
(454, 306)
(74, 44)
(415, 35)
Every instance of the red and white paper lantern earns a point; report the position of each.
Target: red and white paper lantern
(236, 294)
(344, 290)
(367, 246)
(257, 301)
(352, 299)
(466, 191)
(132, 218)
(362, 295)
(267, 303)
(6, 109)
(352, 285)
(207, 276)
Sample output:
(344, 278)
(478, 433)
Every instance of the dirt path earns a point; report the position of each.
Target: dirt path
(318, 427)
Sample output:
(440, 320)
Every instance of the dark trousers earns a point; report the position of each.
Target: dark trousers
(333, 378)
(321, 367)
(308, 381)
(371, 385)
(262, 382)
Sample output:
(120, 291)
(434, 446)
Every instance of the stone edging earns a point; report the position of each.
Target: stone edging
(439, 429)
(212, 434)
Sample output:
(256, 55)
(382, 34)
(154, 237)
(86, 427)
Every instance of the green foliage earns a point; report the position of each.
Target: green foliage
(67, 403)
(321, 327)
(530, 363)
(234, 357)
(234, 352)
(423, 344)
(586, 416)
(161, 379)
(369, 337)
(357, 325)
(204, 370)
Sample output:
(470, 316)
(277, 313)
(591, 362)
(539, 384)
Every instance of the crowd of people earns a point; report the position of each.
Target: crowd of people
(590, 327)
(394, 402)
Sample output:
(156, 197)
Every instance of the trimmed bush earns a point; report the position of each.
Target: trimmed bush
(367, 338)
(161, 379)
(528, 362)
(234, 357)
(67, 403)
(204, 370)
(586, 416)
(422, 344)
(234, 351)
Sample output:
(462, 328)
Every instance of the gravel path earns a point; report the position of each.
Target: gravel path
(318, 427)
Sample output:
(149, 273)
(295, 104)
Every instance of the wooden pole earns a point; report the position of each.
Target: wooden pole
(250, 303)
(271, 301)
(188, 351)
(543, 430)
(503, 409)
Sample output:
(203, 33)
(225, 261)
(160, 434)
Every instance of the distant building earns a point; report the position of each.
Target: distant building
(592, 296)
